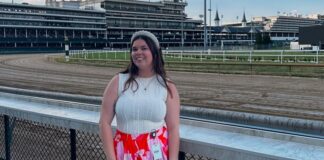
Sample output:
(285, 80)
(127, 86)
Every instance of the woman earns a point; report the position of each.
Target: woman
(146, 105)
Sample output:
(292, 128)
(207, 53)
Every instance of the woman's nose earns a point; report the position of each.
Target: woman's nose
(139, 51)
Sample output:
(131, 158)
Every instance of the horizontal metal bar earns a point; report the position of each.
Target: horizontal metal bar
(212, 140)
(92, 103)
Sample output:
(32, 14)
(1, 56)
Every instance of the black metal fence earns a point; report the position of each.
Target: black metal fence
(36, 141)
(2, 138)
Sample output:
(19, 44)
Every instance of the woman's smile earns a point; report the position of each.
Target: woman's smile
(141, 54)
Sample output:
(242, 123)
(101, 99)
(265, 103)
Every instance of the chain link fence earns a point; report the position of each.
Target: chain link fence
(32, 141)
(37, 141)
(89, 146)
(196, 157)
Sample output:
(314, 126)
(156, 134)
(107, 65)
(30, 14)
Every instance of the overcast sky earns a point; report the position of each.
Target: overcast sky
(232, 10)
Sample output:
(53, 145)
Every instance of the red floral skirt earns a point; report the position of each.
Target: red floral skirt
(141, 146)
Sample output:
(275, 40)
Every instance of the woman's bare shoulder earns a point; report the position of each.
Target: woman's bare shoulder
(172, 87)
(113, 84)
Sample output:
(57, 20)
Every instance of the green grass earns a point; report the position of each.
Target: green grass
(288, 57)
(261, 64)
(113, 55)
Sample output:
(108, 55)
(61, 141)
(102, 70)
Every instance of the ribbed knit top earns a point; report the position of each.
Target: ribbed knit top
(142, 110)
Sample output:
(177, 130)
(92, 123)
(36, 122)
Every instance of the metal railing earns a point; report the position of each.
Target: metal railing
(26, 134)
(250, 56)
(39, 128)
(278, 62)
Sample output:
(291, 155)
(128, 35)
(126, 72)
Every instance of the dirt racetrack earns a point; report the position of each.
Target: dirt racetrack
(273, 95)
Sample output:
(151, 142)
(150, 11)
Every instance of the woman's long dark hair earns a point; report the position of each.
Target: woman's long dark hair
(158, 65)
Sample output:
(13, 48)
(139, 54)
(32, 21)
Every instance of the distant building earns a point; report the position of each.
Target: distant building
(234, 35)
(72, 4)
(313, 35)
(259, 19)
(110, 24)
(165, 18)
(32, 27)
(75, 4)
(284, 28)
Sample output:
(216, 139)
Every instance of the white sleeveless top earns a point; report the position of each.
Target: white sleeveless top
(142, 110)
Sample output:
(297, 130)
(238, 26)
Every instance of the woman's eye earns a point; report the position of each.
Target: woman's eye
(134, 49)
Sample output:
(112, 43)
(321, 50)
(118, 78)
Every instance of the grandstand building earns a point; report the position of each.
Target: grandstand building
(312, 35)
(111, 23)
(284, 28)
(165, 18)
(32, 27)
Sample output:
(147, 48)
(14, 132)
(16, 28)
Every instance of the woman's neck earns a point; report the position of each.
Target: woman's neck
(146, 74)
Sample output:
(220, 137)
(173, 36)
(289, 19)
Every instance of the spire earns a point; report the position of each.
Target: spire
(244, 19)
(217, 20)
(216, 17)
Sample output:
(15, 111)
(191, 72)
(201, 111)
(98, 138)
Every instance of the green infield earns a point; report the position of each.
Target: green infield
(301, 57)
(301, 64)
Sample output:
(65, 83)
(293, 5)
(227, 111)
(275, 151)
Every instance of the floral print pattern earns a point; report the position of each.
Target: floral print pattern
(138, 147)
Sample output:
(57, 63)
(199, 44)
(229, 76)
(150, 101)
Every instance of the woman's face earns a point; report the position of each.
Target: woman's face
(142, 55)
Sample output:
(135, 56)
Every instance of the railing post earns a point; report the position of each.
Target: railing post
(7, 137)
(250, 57)
(281, 56)
(73, 144)
(317, 55)
(182, 155)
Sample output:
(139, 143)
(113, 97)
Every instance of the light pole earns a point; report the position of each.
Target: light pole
(251, 32)
(182, 39)
(210, 36)
(251, 35)
(205, 26)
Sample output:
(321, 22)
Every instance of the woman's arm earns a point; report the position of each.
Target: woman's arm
(106, 116)
(172, 121)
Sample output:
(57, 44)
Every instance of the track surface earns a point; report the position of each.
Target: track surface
(273, 95)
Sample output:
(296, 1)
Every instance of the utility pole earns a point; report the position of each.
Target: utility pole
(205, 27)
